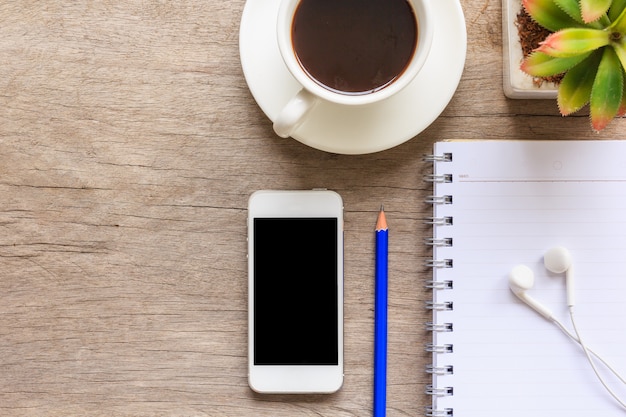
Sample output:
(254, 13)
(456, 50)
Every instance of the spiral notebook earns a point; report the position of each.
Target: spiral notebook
(498, 204)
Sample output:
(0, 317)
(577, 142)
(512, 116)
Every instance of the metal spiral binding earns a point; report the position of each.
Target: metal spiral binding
(445, 306)
(441, 178)
(439, 285)
(439, 327)
(432, 348)
(439, 392)
(432, 369)
(439, 221)
(439, 263)
(446, 157)
(441, 242)
(440, 370)
(446, 412)
(439, 199)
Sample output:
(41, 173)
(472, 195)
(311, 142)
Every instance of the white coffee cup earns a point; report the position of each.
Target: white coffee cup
(313, 92)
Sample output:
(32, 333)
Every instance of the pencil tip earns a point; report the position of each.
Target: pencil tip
(382, 207)
(381, 222)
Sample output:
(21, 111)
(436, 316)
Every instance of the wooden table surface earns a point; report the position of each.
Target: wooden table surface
(129, 145)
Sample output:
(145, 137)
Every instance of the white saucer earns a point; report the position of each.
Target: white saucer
(355, 129)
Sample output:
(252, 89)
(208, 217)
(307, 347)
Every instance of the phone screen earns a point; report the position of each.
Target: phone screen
(295, 291)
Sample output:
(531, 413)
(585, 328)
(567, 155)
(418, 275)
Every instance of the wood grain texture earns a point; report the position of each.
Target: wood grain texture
(129, 145)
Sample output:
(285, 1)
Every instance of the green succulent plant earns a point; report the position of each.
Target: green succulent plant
(588, 46)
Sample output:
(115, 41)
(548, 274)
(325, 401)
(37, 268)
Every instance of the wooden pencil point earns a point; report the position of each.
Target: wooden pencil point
(381, 223)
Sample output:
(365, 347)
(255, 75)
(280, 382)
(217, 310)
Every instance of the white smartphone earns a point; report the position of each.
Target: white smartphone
(295, 291)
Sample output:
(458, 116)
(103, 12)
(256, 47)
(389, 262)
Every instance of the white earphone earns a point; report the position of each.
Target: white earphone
(558, 260)
(522, 279)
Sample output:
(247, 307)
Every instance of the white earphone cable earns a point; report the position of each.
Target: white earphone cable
(598, 357)
(588, 353)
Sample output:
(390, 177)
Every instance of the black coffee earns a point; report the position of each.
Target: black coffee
(354, 46)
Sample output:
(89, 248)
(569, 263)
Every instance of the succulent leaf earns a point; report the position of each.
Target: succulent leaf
(617, 7)
(607, 91)
(575, 88)
(575, 41)
(620, 50)
(593, 10)
(572, 8)
(619, 24)
(549, 15)
(539, 64)
(622, 108)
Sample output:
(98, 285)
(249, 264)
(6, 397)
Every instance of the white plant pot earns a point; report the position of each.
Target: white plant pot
(518, 84)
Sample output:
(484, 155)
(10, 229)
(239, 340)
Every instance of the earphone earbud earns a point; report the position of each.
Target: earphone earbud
(522, 279)
(558, 260)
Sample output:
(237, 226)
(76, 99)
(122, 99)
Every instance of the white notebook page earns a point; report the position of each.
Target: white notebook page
(511, 202)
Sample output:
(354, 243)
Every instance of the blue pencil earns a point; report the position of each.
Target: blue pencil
(380, 318)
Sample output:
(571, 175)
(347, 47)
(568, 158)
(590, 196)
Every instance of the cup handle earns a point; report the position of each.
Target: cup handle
(294, 113)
